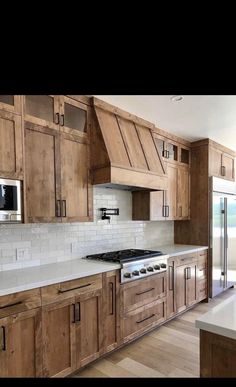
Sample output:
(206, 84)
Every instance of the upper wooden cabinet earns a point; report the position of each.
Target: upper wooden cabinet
(171, 204)
(11, 146)
(171, 150)
(11, 103)
(56, 176)
(57, 112)
(221, 163)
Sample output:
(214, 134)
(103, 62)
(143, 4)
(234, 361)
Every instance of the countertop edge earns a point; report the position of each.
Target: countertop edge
(201, 248)
(47, 282)
(208, 327)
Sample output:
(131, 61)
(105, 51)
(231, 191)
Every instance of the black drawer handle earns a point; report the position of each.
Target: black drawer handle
(57, 118)
(145, 291)
(4, 345)
(68, 290)
(8, 306)
(77, 312)
(147, 318)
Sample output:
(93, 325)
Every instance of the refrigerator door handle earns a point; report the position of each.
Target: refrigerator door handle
(225, 242)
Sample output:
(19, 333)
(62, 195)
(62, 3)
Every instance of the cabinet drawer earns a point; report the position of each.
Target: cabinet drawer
(143, 291)
(19, 302)
(185, 259)
(202, 269)
(143, 318)
(202, 289)
(68, 289)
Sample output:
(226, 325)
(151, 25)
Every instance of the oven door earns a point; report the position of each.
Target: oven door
(10, 200)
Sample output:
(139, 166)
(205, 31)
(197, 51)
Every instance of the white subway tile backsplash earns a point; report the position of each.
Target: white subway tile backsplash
(48, 243)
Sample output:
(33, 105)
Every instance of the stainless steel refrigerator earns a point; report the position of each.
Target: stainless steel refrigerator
(222, 235)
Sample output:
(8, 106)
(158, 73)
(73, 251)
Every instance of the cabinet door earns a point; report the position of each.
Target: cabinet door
(42, 174)
(20, 351)
(183, 193)
(191, 284)
(227, 166)
(215, 156)
(157, 205)
(170, 307)
(11, 146)
(11, 103)
(180, 288)
(171, 193)
(58, 327)
(171, 151)
(76, 190)
(73, 116)
(88, 323)
(110, 310)
(42, 110)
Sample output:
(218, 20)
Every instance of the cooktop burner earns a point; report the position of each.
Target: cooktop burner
(125, 255)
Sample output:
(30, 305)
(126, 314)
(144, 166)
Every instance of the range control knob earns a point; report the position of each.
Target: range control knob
(143, 271)
(163, 265)
(127, 275)
(157, 267)
(135, 272)
(150, 268)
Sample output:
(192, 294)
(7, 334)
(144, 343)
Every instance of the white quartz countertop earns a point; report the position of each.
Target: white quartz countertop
(13, 281)
(221, 319)
(17, 280)
(175, 250)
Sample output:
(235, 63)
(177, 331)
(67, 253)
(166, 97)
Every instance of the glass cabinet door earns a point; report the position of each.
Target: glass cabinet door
(11, 103)
(73, 116)
(184, 156)
(171, 151)
(160, 144)
(42, 110)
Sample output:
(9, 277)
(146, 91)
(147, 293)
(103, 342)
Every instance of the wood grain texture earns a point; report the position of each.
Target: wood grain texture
(19, 302)
(22, 356)
(183, 195)
(171, 350)
(35, 111)
(217, 356)
(11, 146)
(42, 152)
(15, 108)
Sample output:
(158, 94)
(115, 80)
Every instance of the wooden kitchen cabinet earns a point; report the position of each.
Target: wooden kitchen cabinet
(171, 204)
(42, 110)
(88, 327)
(111, 310)
(42, 174)
(185, 286)
(76, 189)
(221, 164)
(58, 329)
(57, 177)
(21, 346)
(11, 146)
(11, 103)
(170, 301)
(183, 194)
(73, 116)
(202, 274)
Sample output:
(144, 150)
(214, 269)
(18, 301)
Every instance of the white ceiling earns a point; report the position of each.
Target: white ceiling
(193, 118)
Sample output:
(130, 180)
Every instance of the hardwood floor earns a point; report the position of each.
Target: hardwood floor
(171, 350)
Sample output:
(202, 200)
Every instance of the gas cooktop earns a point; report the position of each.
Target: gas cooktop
(125, 255)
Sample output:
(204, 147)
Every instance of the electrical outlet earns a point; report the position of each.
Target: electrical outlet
(22, 254)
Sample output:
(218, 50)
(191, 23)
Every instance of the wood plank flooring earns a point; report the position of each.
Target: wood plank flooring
(171, 350)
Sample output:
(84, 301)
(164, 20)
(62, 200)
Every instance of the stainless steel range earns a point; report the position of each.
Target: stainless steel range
(135, 263)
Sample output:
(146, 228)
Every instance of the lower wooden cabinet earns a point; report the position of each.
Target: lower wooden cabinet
(58, 326)
(21, 345)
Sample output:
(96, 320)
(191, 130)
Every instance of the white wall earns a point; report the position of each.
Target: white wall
(48, 243)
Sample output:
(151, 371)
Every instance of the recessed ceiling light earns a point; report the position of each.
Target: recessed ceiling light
(177, 98)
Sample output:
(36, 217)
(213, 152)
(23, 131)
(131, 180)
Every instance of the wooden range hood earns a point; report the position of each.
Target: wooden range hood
(123, 150)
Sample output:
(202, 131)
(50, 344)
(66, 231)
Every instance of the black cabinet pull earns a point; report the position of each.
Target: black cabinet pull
(145, 291)
(77, 312)
(171, 278)
(57, 118)
(8, 305)
(68, 290)
(63, 208)
(112, 298)
(4, 345)
(62, 120)
(147, 318)
(58, 209)
(223, 169)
